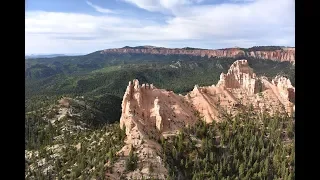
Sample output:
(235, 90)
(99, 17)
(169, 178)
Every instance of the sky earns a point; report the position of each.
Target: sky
(85, 26)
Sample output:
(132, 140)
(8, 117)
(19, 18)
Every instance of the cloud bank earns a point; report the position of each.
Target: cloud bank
(191, 23)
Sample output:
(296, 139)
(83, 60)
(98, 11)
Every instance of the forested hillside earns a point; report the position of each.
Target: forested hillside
(246, 146)
(80, 141)
(97, 74)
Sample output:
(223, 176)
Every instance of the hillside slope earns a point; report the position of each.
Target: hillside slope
(170, 72)
(73, 138)
(225, 131)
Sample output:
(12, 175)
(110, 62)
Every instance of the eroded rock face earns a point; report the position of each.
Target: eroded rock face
(239, 76)
(286, 91)
(285, 54)
(149, 113)
(241, 86)
(285, 88)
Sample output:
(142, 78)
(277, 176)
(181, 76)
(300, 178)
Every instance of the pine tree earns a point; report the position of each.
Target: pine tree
(290, 177)
(211, 157)
(241, 170)
(186, 164)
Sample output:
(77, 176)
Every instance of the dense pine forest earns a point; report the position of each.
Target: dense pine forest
(246, 146)
(98, 74)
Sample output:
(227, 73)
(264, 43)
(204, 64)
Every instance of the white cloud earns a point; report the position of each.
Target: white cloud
(161, 5)
(99, 9)
(263, 22)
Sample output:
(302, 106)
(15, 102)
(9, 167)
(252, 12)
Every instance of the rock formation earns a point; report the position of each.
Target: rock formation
(286, 90)
(284, 54)
(149, 113)
(239, 75)
(240, 86)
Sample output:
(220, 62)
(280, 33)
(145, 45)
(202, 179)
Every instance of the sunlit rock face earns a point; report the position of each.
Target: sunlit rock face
(149, 113)
(285, 54)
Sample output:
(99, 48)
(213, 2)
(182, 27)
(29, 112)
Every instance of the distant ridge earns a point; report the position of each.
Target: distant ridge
(276, 53)
(48, 55)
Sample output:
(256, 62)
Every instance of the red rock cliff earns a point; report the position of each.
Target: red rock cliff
(285, 54)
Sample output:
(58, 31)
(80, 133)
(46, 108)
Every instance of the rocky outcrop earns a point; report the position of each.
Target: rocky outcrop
(286, 92)
(239, 76)
(149, 113)
(240, 86)
(285, 88)
(284, 54)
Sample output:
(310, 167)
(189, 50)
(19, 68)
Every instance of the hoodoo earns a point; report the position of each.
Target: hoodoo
(149, 113)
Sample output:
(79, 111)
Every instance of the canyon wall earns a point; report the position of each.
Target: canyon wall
(285, 54)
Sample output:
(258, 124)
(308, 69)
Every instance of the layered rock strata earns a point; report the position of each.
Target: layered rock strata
(149, 113)
(285, 54)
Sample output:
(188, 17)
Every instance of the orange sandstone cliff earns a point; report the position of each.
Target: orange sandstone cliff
(284, 54)
(241, 86)
(149, 113)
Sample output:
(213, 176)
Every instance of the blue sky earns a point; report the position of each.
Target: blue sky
(81, 26)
